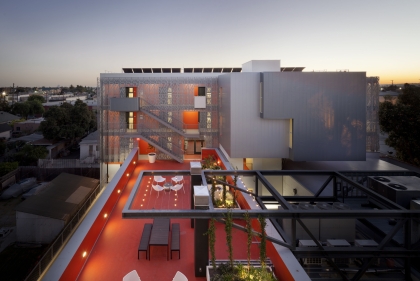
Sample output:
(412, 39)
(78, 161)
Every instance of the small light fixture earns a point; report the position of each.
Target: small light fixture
(134, 162)
(84, 254)
(128, 174)
(105, 215)
(119, 191)
(141, 205)
(143, 199)
(175, 205)
(145, 194)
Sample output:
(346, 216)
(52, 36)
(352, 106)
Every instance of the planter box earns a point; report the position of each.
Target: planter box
(209, 269)
(218, 196)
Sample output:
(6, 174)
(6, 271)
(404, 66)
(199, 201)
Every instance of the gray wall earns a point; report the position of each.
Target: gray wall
(328, 112)
(124, 104)
(243, 133)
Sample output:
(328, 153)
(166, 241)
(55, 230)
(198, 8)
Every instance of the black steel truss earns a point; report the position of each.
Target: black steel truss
(403, 216)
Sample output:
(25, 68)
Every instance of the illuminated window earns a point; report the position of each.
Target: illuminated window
(169, 95)
(170, 117)
(208, 120)
(208, 96)
(130, 92)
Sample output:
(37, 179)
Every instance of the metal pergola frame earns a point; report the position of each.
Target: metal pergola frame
(385, 248)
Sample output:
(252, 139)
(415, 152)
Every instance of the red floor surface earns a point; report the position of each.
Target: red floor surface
(115, 252)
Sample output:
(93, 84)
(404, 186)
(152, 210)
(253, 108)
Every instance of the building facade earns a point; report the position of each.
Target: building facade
(260, 112)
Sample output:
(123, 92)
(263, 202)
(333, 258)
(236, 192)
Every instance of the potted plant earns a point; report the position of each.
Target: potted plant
(152, 154)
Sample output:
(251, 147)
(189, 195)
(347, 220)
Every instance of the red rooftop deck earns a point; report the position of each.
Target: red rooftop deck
(115, 251)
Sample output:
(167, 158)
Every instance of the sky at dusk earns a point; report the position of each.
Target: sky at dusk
(50, 43)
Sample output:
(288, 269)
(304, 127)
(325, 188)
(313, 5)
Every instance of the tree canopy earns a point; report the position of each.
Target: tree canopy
(30, 107)
(29, 154)
(401, 121)
(36, 98)
(68, 121)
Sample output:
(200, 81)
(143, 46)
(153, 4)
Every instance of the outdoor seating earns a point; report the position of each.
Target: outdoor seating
(179, 276)
(160, 234)
(159, 179)
(175, 245)
(158, 188)
(177, 187)
(132, 276)
(144, 241)
(178, 179)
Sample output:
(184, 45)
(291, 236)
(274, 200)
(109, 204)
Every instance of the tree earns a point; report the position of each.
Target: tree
(36, 98)
(21, 109)
(29, 107)
(68, 121)
(29, 154)
(35, 107)
(401, 121)
(4, 105)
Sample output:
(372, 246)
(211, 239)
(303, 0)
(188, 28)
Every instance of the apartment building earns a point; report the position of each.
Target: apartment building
(260, 112)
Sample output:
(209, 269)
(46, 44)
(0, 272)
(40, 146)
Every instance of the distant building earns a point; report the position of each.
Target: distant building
(89, 148)
(5, 131)
(28, 126)
(392, 96)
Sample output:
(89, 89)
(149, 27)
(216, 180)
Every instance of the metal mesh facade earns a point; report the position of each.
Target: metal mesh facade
(163, 100)
(372, 111)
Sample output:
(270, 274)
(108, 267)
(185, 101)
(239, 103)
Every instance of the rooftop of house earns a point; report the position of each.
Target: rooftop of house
(6, 117)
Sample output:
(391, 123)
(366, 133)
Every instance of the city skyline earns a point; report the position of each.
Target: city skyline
(50, 43)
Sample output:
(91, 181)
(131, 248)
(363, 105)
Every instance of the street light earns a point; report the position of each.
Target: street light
(4, 95)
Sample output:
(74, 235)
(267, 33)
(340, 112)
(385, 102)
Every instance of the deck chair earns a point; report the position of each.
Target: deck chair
(178, 179)
(159, 179)
(158, 188)
(180, 277)
(131, 276)
(177, 187)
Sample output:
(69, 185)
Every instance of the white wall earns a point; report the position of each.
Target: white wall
(261, 66)
(36, 229)
(84, 151)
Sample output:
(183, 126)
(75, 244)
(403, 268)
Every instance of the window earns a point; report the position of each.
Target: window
(208, 96)
(170, 117)
(129, 92)
(130, 120)
(208, 120)
(201, 91)
(169, 95)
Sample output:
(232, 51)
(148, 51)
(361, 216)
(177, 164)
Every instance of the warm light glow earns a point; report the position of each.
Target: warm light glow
(143, 199)
(119, 191)
(174, 204)
(175, 199)
(134, 162)
(141, 205)
(84, 254)
(145, 194)
(106, 215)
